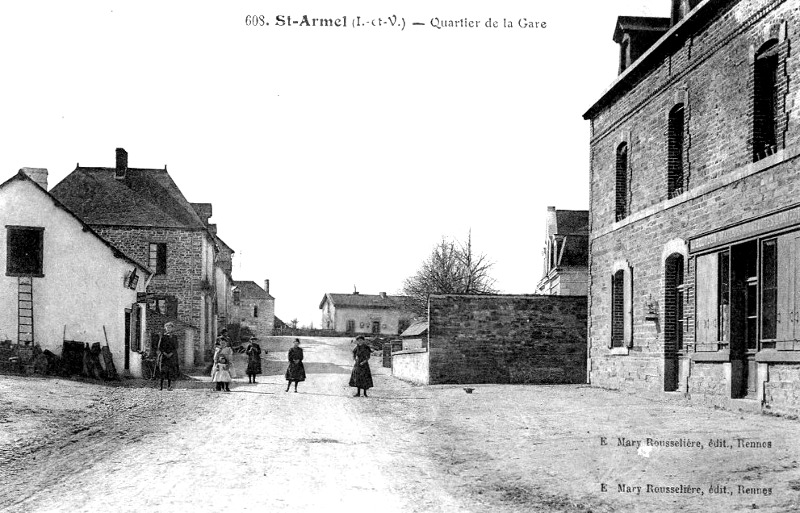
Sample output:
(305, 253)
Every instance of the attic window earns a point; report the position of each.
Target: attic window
(25, 250)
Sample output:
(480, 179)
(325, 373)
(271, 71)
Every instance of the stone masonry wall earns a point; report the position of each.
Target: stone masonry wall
(184, 264)
(507, 339)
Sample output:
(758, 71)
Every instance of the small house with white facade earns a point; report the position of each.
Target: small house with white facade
(64, 281)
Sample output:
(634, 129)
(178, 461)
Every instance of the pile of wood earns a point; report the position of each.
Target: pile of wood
(79, 358)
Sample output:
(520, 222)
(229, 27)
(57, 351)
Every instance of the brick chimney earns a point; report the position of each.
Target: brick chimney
(37, 174)
(266, 286)
(122, 164)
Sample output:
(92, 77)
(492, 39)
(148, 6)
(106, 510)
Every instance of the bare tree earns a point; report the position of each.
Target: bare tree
(452, 268)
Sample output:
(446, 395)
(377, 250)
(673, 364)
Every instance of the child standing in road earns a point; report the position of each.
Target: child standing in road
(220, 374)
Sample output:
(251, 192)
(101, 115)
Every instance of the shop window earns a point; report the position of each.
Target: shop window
(24, 250)
(158, 257)
(765, 100)
(675, 132)
(769, 289)
(621, 192)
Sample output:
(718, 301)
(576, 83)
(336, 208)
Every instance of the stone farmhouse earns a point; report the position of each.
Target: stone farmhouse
(253, 307)
(373, 314)
(62, 280)
(566, 253)
(143, 212)
(695, 207)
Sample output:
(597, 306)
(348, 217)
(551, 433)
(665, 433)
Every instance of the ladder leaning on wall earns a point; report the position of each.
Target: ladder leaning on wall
(25, 310)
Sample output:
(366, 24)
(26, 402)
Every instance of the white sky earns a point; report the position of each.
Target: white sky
(333, 157)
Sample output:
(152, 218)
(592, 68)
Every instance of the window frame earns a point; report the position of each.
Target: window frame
(40, 251)
(160, 258)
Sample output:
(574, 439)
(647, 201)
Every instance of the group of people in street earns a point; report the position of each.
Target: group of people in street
(223, 370)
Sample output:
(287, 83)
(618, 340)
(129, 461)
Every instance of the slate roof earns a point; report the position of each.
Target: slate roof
(250, 289)
(364, 301)
(144, 198)
(639, 23)
(114, 250)
(416, 329)
(572, 222)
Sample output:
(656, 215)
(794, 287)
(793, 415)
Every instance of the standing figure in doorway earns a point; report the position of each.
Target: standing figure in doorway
(167, 355)
(253, 353)
(295, 372)
(361, 377)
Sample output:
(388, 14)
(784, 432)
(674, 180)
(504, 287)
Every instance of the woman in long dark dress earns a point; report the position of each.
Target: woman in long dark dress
(253, 353)
(167, 355)
(361, 377)
(295, 372)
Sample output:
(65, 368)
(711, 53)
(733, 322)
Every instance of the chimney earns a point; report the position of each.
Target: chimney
(213, 229)
(266, 286)
(203, 210)
(122, 164)
(37, 174)
(382, 294)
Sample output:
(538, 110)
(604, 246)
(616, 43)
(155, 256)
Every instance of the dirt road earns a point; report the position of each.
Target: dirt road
(74, 446)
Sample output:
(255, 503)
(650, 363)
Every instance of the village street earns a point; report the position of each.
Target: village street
(67, 445)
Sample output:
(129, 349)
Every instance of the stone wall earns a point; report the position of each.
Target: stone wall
(507, 339)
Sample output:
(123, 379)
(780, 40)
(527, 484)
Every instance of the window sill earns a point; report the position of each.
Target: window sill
(711, 356)
(775, 356)
(20, 275)
(619, 351)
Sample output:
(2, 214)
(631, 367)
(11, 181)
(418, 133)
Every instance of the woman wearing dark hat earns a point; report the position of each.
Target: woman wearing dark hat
(253, 353)
(295, 372)
(361, 377)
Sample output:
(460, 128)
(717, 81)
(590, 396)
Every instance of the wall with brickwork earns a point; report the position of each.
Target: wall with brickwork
(507, 339)
(712, 74)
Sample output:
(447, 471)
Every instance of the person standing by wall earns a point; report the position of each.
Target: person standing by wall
(361, 377)
(296, 371)
(168, 355)
(253, 353)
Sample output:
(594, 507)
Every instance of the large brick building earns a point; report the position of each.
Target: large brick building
(142, 212)
(695, 206)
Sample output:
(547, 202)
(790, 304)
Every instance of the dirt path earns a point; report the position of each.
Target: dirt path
(257, 448)
(74, 446)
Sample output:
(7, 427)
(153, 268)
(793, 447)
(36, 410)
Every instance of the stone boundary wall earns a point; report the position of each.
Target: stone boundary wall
(507, 339)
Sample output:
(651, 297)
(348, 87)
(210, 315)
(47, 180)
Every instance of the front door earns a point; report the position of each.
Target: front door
(376, 327)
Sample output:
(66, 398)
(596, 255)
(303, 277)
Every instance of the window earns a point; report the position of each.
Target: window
(25, 251)
(765, 101)
(237, 297)
(158, 257)
(618, 309)
(675, 131)
(622, 182)
(255, 311)
(351, 326)
(673, 304)
(769, 289)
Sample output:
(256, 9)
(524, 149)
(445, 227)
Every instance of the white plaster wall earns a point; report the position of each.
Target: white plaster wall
(390, 317)
(412, 366)
(82, 289)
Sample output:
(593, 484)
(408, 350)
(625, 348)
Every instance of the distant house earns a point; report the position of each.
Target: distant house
(279, 327)
(143, 212)
(566, 253)
(356, 313)
(63, 280)
(253, 307)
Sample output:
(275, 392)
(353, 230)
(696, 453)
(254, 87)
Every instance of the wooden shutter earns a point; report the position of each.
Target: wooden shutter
(707, 299)
(135, 334)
